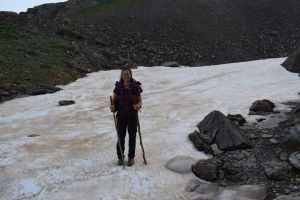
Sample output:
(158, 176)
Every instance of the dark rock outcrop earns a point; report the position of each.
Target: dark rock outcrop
(292, 63)
(238, 118)
(38, 89)
(226, 134)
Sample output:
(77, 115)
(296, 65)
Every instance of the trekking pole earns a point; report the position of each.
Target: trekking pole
(111, 103)
(139, 130)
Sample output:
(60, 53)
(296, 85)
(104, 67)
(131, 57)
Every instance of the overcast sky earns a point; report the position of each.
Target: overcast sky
(22, 5)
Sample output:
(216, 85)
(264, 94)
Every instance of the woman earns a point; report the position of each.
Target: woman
(126, 101)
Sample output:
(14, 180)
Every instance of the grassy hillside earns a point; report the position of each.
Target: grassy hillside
(28, 56)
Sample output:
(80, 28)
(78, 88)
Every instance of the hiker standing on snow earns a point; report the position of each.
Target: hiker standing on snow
(126, 101)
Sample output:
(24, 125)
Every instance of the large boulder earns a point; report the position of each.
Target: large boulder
(225, 133)
(292, 137)
(181, 164)
(206, 169)
(262, 105)
(295, 159)
(292, 63)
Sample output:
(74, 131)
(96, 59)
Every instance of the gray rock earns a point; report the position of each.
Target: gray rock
(170, 64)
(216, 150)
(234, 161)
(181, 164)
(262, 105)
(226, 134)
(33, 135)
(284, 156)
(238, 118)
(206, 169)
(274, 141)
(199, 143)
(292, 63)
(266, 135)
(276, 169)
(293, 136)
(66, 102)
(295, 159)
(293, 196)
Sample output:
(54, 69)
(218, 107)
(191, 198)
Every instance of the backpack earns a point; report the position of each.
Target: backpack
(134, 84)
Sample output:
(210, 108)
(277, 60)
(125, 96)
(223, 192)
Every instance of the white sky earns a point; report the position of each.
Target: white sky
(74, 156)
(23, 5)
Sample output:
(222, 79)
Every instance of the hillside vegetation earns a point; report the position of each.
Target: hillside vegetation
(30, 56)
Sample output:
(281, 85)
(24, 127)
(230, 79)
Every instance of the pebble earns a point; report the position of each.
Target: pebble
(287, 191)
(266, 136)
(274, 141)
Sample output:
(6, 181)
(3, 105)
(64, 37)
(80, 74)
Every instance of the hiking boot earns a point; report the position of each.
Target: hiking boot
(130, 162)
(120, 162)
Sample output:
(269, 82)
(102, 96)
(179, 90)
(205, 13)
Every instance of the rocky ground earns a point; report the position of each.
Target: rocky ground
(272, 161)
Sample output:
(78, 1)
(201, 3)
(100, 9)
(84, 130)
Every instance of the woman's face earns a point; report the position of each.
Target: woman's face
(126, 75)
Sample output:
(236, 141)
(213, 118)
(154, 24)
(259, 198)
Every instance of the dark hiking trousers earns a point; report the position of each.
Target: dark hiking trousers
(123, 123)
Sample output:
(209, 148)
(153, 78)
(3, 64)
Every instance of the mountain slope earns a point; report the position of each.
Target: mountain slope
(107, 34)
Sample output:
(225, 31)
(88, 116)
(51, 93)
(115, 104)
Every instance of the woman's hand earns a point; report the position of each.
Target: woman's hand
(112, 108)
(137, 107)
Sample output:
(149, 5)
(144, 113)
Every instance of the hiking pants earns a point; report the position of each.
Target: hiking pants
(126, 122)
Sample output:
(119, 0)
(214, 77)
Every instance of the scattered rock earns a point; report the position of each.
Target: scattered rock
(216, 150)
(260, 120)
(199, 143)
(293, 136)
(233, 161)
(274, 141)
(33, 135)
(45, 66)
(295, 159)
(206, 169)
(266, 136)
(262, 105)
(66, 102)
(170, 64)
(238, 118)
(284, 156)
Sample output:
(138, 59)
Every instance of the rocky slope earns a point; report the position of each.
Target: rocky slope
(109, 34)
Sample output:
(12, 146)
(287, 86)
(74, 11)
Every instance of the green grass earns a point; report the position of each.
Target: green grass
(105, 6)
(22, 52)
